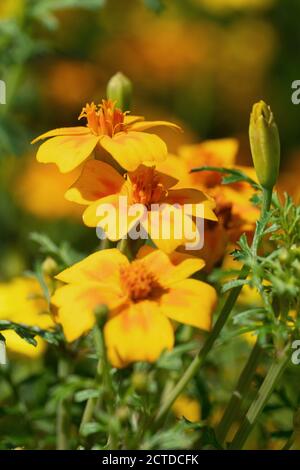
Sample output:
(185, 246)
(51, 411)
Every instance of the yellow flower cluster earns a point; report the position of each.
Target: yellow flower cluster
(112, 156)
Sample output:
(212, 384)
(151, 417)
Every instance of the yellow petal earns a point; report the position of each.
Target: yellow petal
(188, 408)
(142, 126)
(130, 149)
(193, 197)
(130, 119)
(19, 346)
(97, 180)
(140, 333)
(102, 266)
(169, 269)
(67, 152)
(190, 302)
(77, 303)
(169, 228)
(63, 131)
(112, 214)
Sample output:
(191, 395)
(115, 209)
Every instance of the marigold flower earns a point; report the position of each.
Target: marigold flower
(101, 184)
(142, 298)
(22, 301)
(118, 133)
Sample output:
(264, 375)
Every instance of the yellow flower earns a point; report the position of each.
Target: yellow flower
(142, 298)
(10, 8)
(21, 301)
(188, 408)
(101, 184)
(40, 190)
(107, 128)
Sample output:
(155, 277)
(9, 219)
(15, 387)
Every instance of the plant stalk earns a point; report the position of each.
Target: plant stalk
(262, 398)
(223, 316)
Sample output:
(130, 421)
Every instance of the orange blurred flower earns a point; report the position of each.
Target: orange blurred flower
(234, 210)
(40, 190)
(142, 298)
(108, 128)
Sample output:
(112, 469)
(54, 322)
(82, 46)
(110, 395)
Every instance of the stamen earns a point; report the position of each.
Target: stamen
(140, 283)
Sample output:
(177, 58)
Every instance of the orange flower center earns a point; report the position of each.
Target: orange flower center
(139, 282)
(146, 187)
(104, 119)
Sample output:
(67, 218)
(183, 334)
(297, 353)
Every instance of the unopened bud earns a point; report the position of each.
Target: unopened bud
(50, 266)
(265, 144)
(140, 381)
(119, 90)
(101, 312)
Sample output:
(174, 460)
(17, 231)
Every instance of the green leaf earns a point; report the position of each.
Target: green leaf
(155, 5)
(92, 428)
(234, 175)
(84, 395)
(232, 284)
(28, 333)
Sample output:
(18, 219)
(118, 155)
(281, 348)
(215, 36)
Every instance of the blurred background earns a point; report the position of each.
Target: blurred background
(200, 63)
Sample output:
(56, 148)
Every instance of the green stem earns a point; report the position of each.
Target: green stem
(233, 408)
(62, 417)
(224, 315)
(102, 377)
(261, 399)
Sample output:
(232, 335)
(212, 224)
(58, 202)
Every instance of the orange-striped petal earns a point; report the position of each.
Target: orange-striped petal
(190, 302)
(67, 152)
(77, 303)
(102, 266)
(193, 197)
(169, 269)
(97, 180)
(140, 333)
(130, 149)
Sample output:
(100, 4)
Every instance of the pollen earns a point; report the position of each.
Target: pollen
(104, 119)
(139, 282)
(146, 187)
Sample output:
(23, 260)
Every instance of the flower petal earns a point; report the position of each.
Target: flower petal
(142, 126)
(169, 269)
(193, 197)
(102, 266)
(169, 227)
(97, 180)
(64, 131)
(190, 302)
(130, 119)
(130, 149)
(76, 305)
(67, 152)
(112, 214)
(140, 333)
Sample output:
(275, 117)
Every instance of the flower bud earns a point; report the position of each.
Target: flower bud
(119, 89)
(265, 144)
(50, 267)
(101, 313)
